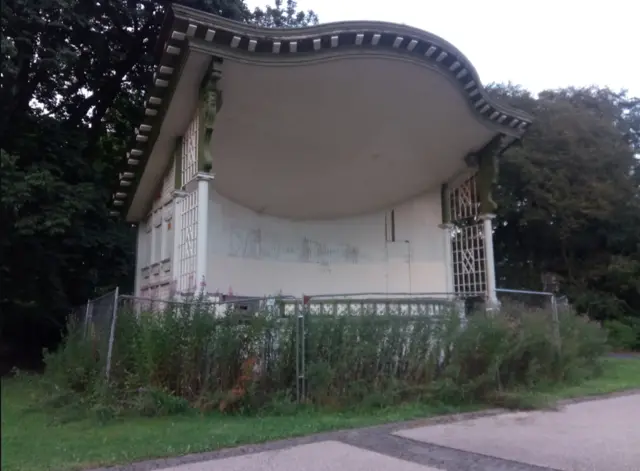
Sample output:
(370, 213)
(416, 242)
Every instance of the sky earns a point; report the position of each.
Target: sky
(539, 45)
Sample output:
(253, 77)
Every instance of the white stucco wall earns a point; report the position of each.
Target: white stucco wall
(254, 255)
(155, 245)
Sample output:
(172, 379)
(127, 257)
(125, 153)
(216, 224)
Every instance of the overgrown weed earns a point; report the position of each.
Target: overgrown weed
(186, 357)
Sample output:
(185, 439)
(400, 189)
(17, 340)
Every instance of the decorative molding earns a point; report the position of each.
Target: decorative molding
(205, 176)
(172, 55)
(278, 44)
(189, 29)
(179, 194)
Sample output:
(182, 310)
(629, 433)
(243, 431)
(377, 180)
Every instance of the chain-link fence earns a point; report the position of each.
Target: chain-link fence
(545, 302)
(311, 345)
(96, 321)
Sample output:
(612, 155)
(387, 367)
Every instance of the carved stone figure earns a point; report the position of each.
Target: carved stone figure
(487, 175)
(210, 104)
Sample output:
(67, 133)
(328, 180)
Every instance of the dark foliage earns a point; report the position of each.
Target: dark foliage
(569, 202)
(73, 74)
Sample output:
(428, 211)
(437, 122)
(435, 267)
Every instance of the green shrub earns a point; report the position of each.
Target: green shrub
(186, 356)
(623, 335)
(76, 365)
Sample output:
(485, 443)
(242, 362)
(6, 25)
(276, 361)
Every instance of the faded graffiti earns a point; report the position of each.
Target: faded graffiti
(252, 243)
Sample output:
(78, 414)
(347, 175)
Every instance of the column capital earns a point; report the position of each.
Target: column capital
(488, 216)
(179, 194)
(204, 176)
(447, 226)
(192, 184)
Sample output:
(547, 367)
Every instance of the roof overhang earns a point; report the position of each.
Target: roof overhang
(374, 90)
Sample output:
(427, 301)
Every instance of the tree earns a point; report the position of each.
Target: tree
(73, 73)
(279, 16)
(570, 199)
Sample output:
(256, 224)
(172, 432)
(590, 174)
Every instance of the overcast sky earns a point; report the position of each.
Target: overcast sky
(541, 44)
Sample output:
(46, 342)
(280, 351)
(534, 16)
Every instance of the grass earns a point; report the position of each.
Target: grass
(33, 440)
(620, 374)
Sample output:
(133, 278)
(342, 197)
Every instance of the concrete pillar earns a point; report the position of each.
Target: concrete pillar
(447, 231)
(490, 264)
(203, 181)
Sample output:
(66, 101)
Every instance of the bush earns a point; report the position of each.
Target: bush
(187, 356)
(623, 335)
(75, 366)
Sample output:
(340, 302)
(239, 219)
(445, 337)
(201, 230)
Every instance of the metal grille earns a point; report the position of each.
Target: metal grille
(463, 201)
(190, 152)
(469, 274)
(467, 240)
(188, 239)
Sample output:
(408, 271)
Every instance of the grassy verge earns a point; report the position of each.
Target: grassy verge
(34, 440)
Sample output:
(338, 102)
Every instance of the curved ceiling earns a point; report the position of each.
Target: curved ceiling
(338, 138)
(187, 32)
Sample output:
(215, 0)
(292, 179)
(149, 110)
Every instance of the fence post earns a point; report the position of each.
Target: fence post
(298, 307)
(88, 312)
(303, 355)
(301, 339)
(556, 322)
(112, 333)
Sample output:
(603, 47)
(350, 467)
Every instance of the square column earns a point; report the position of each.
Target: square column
(490, 265)
(203, 180)
(447, 231)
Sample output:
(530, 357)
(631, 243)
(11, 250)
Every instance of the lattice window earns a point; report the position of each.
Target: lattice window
(188, 239)
(467, 241)
(190, 152)
(468, 253)
(463, 201)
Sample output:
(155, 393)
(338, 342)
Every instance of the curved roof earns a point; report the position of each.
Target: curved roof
(313, 43)
(186, 28)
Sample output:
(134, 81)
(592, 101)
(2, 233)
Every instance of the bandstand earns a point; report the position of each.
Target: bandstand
(342, 158)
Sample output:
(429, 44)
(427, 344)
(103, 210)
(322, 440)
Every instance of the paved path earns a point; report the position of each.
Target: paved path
(588, 435)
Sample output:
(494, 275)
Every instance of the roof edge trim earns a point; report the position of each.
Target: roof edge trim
(185, 27)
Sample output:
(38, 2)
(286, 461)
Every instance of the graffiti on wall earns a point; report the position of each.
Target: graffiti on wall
(255, 244)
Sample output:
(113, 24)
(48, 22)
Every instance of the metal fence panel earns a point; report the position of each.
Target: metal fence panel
(542, 300)
(96, 322)
(407, 326)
